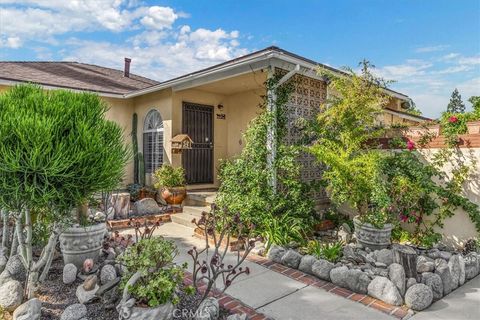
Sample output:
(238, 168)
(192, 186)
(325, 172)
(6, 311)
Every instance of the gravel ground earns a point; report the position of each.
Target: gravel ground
(56, 296)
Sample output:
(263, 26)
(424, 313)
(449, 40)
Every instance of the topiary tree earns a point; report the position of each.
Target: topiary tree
(56, 150)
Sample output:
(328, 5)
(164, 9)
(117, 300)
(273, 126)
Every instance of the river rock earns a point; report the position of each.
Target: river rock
(146, 206)
(418, 297)
(396, 273)
(352, 279)
(338, 275)
(384, 256)
(69, 273)
(291, 259)
(75, 311)
(90, 282)
(443, 270)
(306, 263)
(457, 270)
(321, 268)
(434, 281)
(209, 309)
(107, 274)
(3, 261)
(384, 289)
(30, 310)
(472, 265)
(411, 282)
(276, 253)
(425, 264)
(11, 295)
(16, 269)
(85, 296)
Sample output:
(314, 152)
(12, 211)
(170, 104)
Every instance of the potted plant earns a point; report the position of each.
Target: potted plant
(171, 183)
(152, 281)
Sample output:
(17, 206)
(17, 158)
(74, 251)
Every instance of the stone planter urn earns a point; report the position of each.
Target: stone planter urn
(372, 237)
(79, 243)
(127, 309)
(174, 195)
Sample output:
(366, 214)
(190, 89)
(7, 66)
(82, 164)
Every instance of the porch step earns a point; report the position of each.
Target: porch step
(200, 198)
(189, 213)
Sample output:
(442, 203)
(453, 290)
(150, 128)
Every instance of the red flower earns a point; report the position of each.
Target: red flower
(452, 119)
(403, 218)
(410, 145)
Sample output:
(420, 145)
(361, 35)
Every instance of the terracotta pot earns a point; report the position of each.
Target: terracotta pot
(174, 195)
(473, 127)
(372, 237)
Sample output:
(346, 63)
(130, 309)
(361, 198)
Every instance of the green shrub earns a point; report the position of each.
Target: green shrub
(328, 251)
(283, 230)
(161, 278)
(169, 177)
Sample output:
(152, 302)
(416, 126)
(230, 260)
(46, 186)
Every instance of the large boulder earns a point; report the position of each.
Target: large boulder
(30, 310)
(291, 259)
(396, 273)
(472, 265)
(11, 295)
(276, 253)
(411, 282)
(146, 206)
(443, 270)
(69, 273)
(425, 264)
(107, 274)
(75, 311)
(352, 279)
(418, 297)
(321, 269)
(384, 289)
(434, 281)
(14, 270)
(384, 256)
(306, 263)
(209, 309)
(457, 270)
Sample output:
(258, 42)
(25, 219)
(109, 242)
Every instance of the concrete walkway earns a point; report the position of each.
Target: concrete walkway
(461, 304)
(273, 294)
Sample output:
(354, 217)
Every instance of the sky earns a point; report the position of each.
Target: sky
(429, 47)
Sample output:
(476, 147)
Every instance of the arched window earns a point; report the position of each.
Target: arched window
(153, 141)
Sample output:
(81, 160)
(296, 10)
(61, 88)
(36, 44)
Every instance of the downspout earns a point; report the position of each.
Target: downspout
(272, 131)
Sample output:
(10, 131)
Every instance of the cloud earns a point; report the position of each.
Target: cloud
(159, 18)
(431, 48)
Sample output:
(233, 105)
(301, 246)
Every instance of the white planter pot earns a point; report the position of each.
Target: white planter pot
(372, 237)
(80, 243)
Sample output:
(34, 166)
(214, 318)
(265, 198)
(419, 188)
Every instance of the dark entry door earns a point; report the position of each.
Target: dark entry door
(198, 161)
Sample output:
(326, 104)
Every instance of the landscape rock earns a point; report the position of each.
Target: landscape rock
(419, 297)
(457, 270)
(69, 273)
(350, 254)
(472, 265)
(396, 273)
(384, 256)
(434, 281)
(352, 279)
(146, 206)
(437, 254)
(276, 253)
(30, 310)
(425, 264)
(411, 282)
(322, 269)
(107, 274)
(306, 263)
(11, 295)
(75, 311)
(291, 259)
(384, 289)
(85, 296)
(3, 261)
(209, 309)
(15, 268)
(259, 248)
(443, 270)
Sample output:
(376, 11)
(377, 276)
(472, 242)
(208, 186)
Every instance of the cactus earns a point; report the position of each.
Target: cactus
(135, 149)
(141, 169)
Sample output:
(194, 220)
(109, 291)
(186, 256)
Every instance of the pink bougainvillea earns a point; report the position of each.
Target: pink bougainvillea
(452, 119)
(403, 218)
(410, 145)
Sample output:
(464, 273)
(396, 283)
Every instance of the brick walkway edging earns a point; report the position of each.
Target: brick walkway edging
(395, 311)
(228, 302)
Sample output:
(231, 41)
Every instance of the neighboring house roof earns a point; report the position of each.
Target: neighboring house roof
(73, 75)
(406, 115)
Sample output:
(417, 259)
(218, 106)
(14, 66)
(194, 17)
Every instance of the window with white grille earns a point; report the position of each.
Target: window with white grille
(153, 141)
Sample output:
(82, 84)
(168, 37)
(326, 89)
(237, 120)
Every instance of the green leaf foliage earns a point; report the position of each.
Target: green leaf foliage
(56, 148)
(169, 177)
